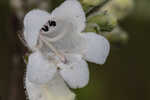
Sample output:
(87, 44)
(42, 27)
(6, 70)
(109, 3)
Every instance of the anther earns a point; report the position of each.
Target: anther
(45, 28)
(52, 23)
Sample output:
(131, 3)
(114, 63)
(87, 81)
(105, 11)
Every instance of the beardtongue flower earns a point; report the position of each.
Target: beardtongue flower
(59, 51)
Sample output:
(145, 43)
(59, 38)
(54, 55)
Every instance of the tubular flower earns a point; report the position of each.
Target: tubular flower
(59, 51)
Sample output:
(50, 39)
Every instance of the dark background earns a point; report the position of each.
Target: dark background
(125, 76)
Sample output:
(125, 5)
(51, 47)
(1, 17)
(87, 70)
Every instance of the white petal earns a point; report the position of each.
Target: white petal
(54, 90)
(39, 69)
(33, 91)
(59, 89)
(75, 72)
(70, 43)
(97, 48)
(70, 19)
(33, 22)
(71, 11)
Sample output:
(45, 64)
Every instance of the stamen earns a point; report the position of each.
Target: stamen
(45, 28)
(57, 53)
(52, 23)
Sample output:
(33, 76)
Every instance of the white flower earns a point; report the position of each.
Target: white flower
(59, 51)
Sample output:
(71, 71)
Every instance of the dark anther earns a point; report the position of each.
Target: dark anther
(45, 28)
(52, 23)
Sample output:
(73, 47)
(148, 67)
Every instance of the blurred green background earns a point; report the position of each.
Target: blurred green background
(125, 75)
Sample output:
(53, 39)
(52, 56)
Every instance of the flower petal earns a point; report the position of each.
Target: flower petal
(33, 91)
(70, 21)
(75, 72)
(59, 90)
(70, 43)
(54, 90)
(39, 69)
(97, 48)
(71, 11)
(33, 22)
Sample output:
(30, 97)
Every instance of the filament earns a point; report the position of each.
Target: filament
(57, 53)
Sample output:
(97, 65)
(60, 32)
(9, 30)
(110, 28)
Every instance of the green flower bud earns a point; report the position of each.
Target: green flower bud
(117, 37)
(91, 27)
(91, 2)
(88, 4)
(119, 8)
(104, 20)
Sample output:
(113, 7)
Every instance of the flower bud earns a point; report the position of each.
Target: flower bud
(92, 28)
(117, 37)
(91, 2)
(119, 8)
(104, 20)
(87, 4)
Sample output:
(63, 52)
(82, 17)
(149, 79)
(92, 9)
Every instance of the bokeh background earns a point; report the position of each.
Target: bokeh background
(125, 75)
